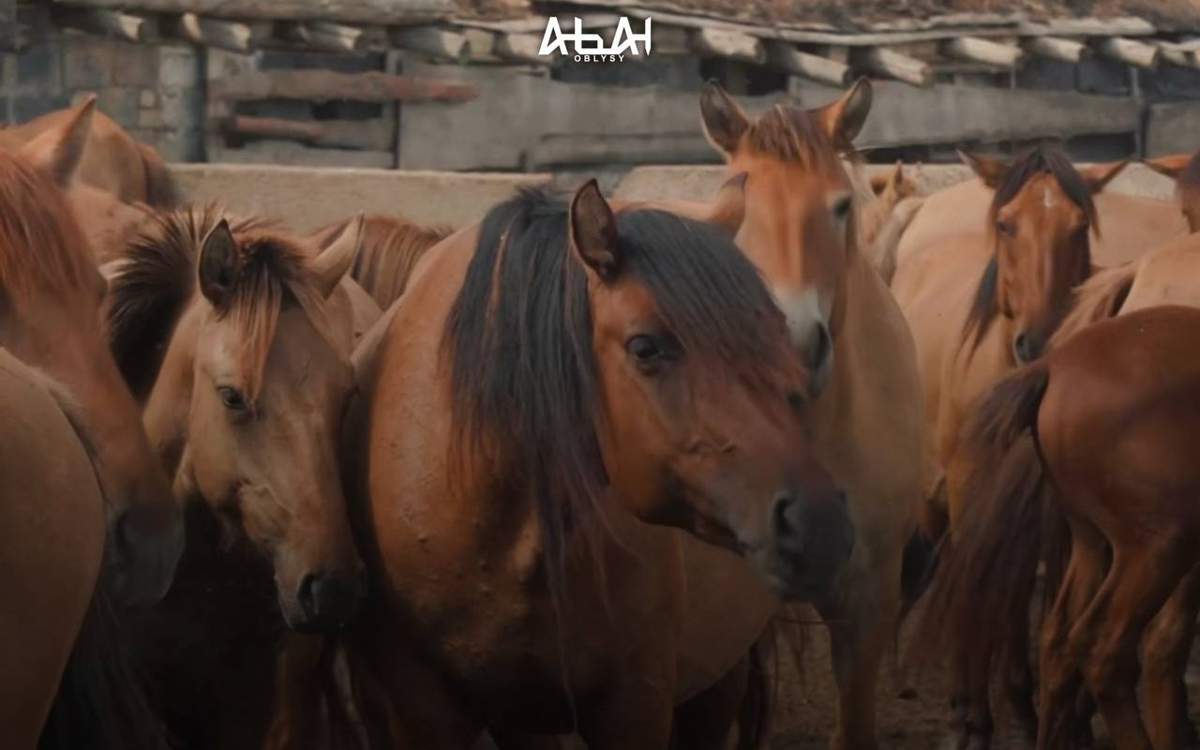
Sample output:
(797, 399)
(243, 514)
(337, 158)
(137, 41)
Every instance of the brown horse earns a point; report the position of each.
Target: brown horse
(239, 337)
(1039, 248)
(50, 319)
(1185, 170)
(551, 364)
(1112, 413)
(391, 249)
(111, 160)
(52, 514)
(865, 415)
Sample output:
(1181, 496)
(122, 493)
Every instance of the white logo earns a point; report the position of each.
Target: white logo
(590, 47)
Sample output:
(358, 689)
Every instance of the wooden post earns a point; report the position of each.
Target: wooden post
(212, 32)
(1055, 48)
(1130, 52)
(984, 51)
(438, 44)
(109, 23)
(785, 57)
(886, 62)
(382, 12)
(522, 48)
(731, 45)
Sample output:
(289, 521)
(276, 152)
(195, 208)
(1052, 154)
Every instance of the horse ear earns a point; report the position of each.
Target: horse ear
(844, 118)
(1098, 176)
(1171, 166)
(990, 170)
(334, 262)
(218, 264)
(58, 151)
(729, 208)
(593, 231)
(724, 121)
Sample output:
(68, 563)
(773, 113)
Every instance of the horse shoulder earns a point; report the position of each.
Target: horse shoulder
(1131, 226)
(958, 209)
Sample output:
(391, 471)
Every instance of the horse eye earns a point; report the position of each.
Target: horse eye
(648, 352)
(1005, 228)
(232, 398)
(841, 207)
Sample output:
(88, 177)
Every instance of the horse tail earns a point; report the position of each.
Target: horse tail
(161, 189)
(754, 715)
(989, 561)
(1100, 297)
(101, 702)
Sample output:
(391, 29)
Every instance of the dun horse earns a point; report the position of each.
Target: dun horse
(1185, 170)
(1112, 413)
(864, 415)
(245, 335)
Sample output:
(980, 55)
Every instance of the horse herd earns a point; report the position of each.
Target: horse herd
(392, 486)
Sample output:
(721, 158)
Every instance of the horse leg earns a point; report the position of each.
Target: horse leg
(1142, 576)
(1018, 674)
(1164, 660)
(1060, 676)
(862, 621)
(705, 721)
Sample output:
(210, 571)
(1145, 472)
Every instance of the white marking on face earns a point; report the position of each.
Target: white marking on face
(1048, 197)
(802, 311)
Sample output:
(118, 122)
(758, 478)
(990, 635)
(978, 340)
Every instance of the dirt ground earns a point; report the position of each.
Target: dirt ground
(806, 704)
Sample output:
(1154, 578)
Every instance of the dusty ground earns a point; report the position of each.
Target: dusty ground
(805, 713)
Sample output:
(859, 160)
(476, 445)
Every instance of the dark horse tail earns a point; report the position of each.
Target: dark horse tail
(754, 716)
(989, 565)
(101, 702)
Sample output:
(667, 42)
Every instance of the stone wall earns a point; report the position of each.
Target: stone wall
(154, 91)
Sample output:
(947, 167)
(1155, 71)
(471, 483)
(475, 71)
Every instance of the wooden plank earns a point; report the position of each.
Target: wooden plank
(521, 48)
(371, 86)
(433, 42)
(985, 51)
(383, 12)
(787, 58)
(110, 23)
(368, 135)
(1056, 48)
(330, 37)
(212, 32)
(892, 64)
(1130, 52)
(730, 45)
(289, 153)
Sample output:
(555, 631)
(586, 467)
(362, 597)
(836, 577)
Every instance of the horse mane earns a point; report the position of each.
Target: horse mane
(1040, 159)
(155, 280)
(391, 249)
(519, 341)
(42, 248)
(793, 135)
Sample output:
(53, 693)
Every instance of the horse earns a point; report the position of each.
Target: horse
(866, 418)
(391, 249)
(1038, 247)
(237, 337)
(557, 371)
(1105, 421)
(50, 298)
(112, 161)
(52, 514)
(1184, 169)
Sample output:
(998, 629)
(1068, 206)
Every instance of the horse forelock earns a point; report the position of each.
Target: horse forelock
(42, 247)
(518, 343)
(1044, 159)
(793, 135)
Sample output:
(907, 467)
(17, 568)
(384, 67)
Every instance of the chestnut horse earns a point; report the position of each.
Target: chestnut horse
(391, 249)
(1184, 169)
(245, 334)
(1038, 241)
(52, 514)
(50, 296)
(111, 161)
(865, 417)
(546, 370)
(1112, 413)
(51, 319)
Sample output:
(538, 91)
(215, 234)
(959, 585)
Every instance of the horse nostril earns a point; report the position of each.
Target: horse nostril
(1026, 347)
(822, 345)
(307, 595)
(786, 521)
